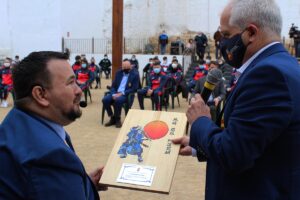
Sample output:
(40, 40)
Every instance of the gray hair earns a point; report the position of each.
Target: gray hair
(263, 13)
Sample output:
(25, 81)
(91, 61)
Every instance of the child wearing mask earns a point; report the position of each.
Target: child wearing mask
(6, 81)
(84, 78)
(156, 84)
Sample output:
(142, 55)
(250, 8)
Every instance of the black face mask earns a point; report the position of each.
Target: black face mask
(233, 50)
(126, 71)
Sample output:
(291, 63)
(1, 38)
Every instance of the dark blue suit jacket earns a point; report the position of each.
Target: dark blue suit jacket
(257, 155)
(37, 164)
(131, 85)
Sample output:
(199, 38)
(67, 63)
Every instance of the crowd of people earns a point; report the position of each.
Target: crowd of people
(160, 79)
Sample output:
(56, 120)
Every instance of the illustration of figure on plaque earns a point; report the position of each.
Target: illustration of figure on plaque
(133, 144)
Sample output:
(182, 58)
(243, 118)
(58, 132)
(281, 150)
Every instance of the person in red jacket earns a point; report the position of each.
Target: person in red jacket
(84, 78)
(154, 89)
(77, 65)
(199, 72)
(96, 72)
(6, 83)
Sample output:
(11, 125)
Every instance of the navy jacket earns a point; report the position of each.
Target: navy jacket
(256, 156)
(131, 85)
(37, 164)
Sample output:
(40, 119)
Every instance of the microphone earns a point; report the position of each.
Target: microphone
(212, 79)
(82, 103)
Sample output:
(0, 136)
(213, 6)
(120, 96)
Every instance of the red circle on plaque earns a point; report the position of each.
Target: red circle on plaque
(156, 129)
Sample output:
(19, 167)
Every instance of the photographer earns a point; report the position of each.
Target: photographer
(295, 34)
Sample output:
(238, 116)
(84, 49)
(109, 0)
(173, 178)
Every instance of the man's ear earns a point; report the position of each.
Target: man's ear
(252, 32)
(39, 94)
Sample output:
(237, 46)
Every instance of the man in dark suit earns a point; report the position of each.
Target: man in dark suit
(217, 95)
(126, 82)
(37, 157)
(256, 155)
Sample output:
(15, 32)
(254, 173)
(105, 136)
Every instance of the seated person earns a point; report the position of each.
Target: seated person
(165, 64)
(77, 65)
(126, 82)
(105, 65)
(134, 62)
(96, 71)
(207, 62)
(6, 81)
(199, 72)
(175, 72)
(175, 63)
(146, 71)
(148, 66)
(217, 95)
(84, 77)
(157, 81)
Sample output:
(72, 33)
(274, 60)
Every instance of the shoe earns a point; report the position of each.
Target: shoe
(111, 122)
(118, 124)
(96, 87)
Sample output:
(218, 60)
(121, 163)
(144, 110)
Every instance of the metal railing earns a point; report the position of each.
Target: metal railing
(130, 45)
(102, 46)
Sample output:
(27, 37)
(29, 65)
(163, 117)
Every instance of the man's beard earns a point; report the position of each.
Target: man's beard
(73, 114)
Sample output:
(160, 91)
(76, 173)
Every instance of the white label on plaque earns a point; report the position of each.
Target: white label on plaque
(136, 174)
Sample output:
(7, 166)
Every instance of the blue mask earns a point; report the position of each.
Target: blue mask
(83, 66)
(156, 70)
(201, 66)
(233, 50)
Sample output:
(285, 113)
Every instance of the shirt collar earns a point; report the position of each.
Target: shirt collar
(250, 60)
(56, 127)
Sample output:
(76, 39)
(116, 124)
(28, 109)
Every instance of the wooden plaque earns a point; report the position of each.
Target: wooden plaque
(144, 143)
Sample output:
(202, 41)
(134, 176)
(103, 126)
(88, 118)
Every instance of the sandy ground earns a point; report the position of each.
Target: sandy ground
(93, 143)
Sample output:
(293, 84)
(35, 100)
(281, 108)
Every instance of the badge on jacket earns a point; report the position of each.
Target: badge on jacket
(129, 84)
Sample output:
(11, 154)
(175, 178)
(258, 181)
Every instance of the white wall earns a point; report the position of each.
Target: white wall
(82, 19)
(31, 26)
(5, 39)
(143, 18)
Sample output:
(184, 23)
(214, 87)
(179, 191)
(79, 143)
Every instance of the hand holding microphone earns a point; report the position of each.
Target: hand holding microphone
(212, 79)
(198, 107)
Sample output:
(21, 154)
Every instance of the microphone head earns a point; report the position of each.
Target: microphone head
(82, 104)
(214, 76)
